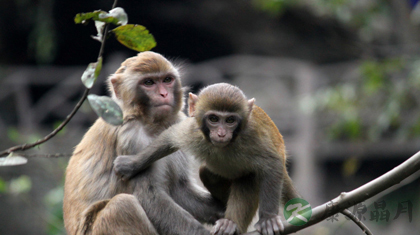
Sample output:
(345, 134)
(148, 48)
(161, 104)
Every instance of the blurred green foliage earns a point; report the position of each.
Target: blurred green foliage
(16, 136)
(3, 186)
(54, 203)
(20, 185)
(366, 16)
(16, 186)
(383, 103)
(273, 7)
(42, 39)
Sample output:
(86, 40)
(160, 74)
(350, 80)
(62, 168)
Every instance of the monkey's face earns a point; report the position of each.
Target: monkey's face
(158, 94)
(221, 127)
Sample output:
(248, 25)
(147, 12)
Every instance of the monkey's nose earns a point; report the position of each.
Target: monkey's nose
(221, 132)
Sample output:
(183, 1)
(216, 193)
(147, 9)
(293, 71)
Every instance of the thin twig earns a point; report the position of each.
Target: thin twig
(356, 220)
(54, 155)
(24, 147)
(52, 134)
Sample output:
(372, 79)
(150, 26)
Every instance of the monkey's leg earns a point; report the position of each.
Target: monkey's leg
(288, 192)
(120, 215)
(203, 206)
(243, 201)
(166, 215)
(218, 186)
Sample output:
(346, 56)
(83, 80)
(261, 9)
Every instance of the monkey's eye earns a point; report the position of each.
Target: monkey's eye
(213, 118)
(148, 82)
(167, 80)
(230, 119)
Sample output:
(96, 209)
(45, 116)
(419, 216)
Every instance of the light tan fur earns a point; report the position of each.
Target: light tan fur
(161, 199)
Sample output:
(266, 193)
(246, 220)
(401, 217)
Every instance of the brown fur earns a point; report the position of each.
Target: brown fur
(247, 173)
(243, 199)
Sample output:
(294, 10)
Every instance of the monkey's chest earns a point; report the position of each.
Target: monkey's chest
(232, 168)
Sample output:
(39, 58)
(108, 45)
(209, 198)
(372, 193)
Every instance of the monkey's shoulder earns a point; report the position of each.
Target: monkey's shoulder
(188, 127)
(264, 127)
(262, 121)
(98, 138)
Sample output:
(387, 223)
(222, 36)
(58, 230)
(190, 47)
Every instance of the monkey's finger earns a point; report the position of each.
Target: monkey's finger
(269, 227)
(263, 228)
(223, 228)
(276, 228)
(119, 174)
(231, 228)
(257, 227)
(216, 227)
(279, 225)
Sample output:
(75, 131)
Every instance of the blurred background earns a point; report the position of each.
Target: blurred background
(340, 78)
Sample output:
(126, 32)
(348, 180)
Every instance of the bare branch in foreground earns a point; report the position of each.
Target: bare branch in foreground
(356, 220)
(366, 191)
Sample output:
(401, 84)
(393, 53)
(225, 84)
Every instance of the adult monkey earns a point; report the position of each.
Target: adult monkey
(242, 150)
(160, 200)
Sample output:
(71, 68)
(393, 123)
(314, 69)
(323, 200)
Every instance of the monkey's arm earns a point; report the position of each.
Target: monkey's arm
(127, 166)
(203, 206)
(218, 186)
(271, 185)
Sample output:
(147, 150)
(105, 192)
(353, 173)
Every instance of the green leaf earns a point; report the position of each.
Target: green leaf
(98, 67)
(135, 37)
(82, 18)
(12, 160)
(116, 16)
(106, 108)
(91, 73)
(23, 184)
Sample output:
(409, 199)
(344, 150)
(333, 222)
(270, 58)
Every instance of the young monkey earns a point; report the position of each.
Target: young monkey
(241, 150)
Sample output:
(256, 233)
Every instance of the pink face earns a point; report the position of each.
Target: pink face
(222, 126)
(160, 91)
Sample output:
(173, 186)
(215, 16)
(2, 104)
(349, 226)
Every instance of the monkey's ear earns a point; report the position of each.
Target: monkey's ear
(192, 100)
(115, 83)
(250, 105)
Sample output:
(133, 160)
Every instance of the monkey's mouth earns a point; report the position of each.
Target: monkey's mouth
(220, 143)
(164, 107)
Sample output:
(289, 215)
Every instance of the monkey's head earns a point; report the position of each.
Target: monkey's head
(147, 85)
(221, 111)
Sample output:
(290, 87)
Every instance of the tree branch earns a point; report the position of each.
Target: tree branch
(52, 134)
(356, 220)
(366, 191)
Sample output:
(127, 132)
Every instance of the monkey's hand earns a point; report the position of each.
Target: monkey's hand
(125, 167)
(225, 227)
(270, 226)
